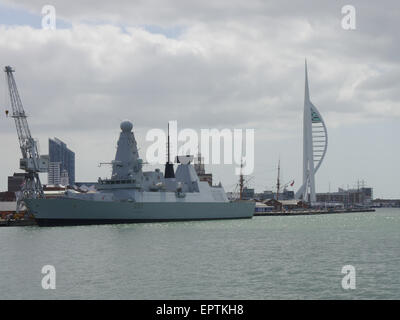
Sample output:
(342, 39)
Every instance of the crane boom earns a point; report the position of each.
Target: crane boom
(31, 160)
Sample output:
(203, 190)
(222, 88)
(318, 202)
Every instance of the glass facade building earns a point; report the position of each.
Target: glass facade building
(58, 152)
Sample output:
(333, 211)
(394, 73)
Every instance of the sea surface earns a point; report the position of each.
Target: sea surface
(299, 257)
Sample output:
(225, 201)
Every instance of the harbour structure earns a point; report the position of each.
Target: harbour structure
(62, 163)
(360, 196)
(134, 195)
(285, 194)
(31, 162)
(16, 181)
(283, 205)
(315, 143)
(386, 203)
(248, 193)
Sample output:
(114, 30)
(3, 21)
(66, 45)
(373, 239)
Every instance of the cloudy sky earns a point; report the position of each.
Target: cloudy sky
(225, 64)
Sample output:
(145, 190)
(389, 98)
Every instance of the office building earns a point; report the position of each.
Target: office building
(61, 159)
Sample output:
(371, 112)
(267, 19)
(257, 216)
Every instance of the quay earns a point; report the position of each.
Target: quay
(311, 212)
(17, 222)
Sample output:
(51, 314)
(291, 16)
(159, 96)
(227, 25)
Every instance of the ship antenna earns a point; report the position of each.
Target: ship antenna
(168, 145)
(241, 180)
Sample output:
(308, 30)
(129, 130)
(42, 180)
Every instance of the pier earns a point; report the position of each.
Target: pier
(311, 212)
(17, 222)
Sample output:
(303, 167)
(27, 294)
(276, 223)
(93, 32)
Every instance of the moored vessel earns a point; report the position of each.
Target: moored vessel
(132, 195)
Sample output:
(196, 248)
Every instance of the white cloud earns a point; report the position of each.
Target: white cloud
(233, 64)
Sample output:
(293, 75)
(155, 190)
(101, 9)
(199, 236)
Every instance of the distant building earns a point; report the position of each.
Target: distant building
(268, 194)
(349, 198)
(386, 203)
(286, 195)
(265, 195)
(54, 174)
(7, 196)
(15, 182)
(64, 178)
(280, 205)
(262, 208)
(247, 193)
(62, 157)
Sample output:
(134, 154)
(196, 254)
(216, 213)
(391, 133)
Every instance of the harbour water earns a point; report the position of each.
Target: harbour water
(298, 257)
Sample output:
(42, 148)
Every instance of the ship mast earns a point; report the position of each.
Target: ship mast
(241, 181)
(169, 167)
(278, 182)
(168, 151)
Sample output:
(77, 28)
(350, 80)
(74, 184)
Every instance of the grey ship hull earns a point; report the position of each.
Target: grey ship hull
(59, 212)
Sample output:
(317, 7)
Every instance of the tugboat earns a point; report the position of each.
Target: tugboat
(132, 195)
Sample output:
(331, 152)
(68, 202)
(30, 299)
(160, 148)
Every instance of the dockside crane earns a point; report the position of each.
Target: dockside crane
(31, 162)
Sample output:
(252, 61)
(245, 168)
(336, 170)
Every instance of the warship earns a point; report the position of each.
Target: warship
(132, 195)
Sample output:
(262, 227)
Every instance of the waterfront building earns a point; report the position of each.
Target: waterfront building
(263, 208)
(280, 205)
(386, 203)
(269, 194)
(265, 195)
(349, 198)
(15, 182)
(7, 196)
(61, 158)
(315, 143)
(247, 193)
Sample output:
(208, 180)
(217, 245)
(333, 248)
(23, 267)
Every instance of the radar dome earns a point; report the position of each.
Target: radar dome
(126, 126)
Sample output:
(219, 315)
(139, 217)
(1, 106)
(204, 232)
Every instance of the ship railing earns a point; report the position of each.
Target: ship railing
(118, 183)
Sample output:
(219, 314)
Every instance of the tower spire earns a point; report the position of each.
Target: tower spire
(315, 143)
(306, 89)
